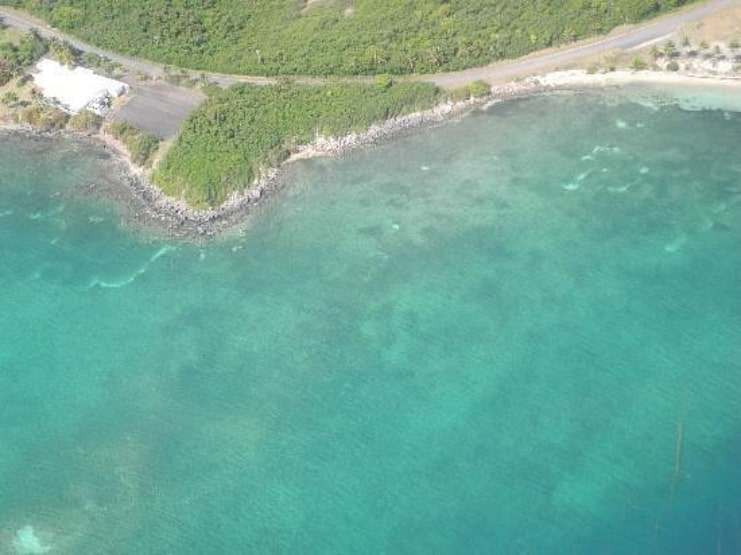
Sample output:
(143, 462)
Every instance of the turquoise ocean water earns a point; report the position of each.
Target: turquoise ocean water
(519, 332)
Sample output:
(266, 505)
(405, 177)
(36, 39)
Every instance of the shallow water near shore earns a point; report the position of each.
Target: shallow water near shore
(518, 332)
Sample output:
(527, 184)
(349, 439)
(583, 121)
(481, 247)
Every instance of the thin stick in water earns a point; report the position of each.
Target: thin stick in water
(677, 455)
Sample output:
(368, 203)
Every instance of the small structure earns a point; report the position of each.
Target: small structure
(75, 89)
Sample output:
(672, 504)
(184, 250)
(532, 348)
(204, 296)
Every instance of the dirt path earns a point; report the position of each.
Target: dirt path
(532, 64)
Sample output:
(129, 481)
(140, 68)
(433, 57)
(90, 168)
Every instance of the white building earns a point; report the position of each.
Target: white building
(75, 89)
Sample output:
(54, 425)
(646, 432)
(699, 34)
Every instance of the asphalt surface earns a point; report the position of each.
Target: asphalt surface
(158, 108)
(538, 63)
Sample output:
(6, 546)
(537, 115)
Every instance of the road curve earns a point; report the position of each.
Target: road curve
(538, 63)
(26, 22)
(503, 71)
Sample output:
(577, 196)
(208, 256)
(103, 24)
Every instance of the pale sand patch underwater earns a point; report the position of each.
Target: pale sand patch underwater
(430, 346)
(701, 91)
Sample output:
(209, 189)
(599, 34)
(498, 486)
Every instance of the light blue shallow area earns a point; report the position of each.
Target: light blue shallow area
(519, 332)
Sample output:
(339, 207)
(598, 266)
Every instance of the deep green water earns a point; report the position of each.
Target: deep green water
(515, 333)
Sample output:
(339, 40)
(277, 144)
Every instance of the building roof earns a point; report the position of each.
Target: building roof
(74, 89)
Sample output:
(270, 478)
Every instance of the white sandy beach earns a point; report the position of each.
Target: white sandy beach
(700, 90)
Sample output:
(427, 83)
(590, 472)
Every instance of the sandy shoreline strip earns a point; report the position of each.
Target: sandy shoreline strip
(152, 209)
(581, 78)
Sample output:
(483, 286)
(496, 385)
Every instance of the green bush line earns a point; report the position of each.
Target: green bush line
(141, 145)
(226, 143)
(85, 121)
(44, 118)
(15, 57)
(337, 37)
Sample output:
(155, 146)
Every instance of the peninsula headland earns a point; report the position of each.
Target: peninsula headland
(202, 148)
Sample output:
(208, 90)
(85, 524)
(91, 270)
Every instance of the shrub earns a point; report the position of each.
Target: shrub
(44, 118)
(672, 66)
(17, 55)
(383, 81)
(85, 121)
(141, 145)
(63, 52)
(638, 64)
(9, 98)
(90, 59)
(478, 89)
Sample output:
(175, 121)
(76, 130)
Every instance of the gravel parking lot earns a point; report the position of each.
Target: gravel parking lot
(158, 108)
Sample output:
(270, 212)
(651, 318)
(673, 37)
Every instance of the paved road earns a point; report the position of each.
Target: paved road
(532, 64)
(539, 63)
(24, 21)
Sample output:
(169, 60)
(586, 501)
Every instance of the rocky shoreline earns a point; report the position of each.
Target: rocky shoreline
(181, 219)
(176, 218)
(149, 208)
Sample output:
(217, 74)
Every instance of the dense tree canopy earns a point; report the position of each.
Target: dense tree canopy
(237, 132)
(336, 37)
(17, 55)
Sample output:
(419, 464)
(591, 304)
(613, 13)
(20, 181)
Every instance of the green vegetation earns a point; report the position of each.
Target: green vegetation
(477, 89)
(44, 117)
(99, 64)
(9, 98)
(141, 145)
(225, 145)
(336, 37)
(63, 52)
(85, 121)
(383, 81)
(18, 52)
(672, 66)
(66, 54)
(182, 78)
(638, 64)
